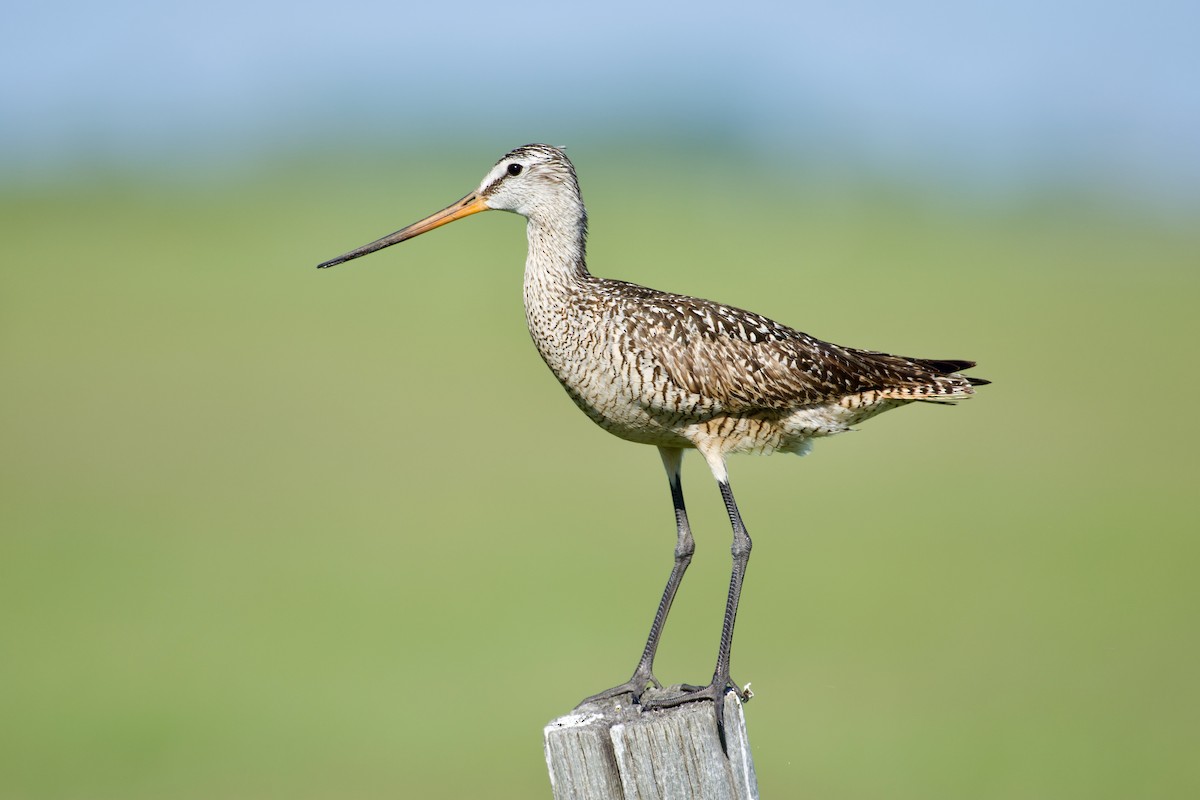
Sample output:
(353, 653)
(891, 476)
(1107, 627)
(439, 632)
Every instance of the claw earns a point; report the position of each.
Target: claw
(634, 687)
(715, 692)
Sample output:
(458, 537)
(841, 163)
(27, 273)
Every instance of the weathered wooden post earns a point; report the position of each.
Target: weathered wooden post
(616, 751)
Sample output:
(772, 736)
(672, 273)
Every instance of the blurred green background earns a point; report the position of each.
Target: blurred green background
(275, 532)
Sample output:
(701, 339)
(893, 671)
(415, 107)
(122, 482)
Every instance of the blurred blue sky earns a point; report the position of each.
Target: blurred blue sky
(1007, 94)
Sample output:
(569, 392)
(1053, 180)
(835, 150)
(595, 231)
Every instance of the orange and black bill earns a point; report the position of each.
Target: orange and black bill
(471, 204)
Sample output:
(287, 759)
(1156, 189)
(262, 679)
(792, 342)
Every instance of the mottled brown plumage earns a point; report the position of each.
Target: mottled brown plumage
(685, 362)
(679, 372)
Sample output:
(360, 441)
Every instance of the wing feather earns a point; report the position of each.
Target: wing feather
(740, 361)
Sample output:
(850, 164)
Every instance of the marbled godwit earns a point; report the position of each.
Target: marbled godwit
(679, 372)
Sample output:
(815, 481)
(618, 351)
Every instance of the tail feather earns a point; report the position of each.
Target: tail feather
(943, 366)
(951, 366)
(940, 383)
(907, 379)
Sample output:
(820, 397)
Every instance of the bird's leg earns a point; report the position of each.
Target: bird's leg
(740, 550)
(643, 675)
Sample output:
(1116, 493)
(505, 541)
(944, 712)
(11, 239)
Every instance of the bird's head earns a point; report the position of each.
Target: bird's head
(529, 178)
(533, 180)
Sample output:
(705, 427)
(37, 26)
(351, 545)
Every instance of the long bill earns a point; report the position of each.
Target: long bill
(471, 204)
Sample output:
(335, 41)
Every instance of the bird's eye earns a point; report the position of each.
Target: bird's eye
(514, 169)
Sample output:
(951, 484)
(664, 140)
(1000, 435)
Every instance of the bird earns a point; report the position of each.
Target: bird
(679, 373)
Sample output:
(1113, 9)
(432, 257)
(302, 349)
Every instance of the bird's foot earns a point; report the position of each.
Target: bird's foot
(642, 679)
(715, 692)
(744, 694)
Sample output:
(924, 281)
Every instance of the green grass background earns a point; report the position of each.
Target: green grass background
(274, 532)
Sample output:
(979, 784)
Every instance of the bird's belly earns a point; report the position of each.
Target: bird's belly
(679, 419)
(618, 390)
(626, 393)
(758, 433)
(624, 414)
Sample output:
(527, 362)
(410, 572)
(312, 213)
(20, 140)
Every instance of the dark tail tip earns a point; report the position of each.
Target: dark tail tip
(949, 366)
(945, 366)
